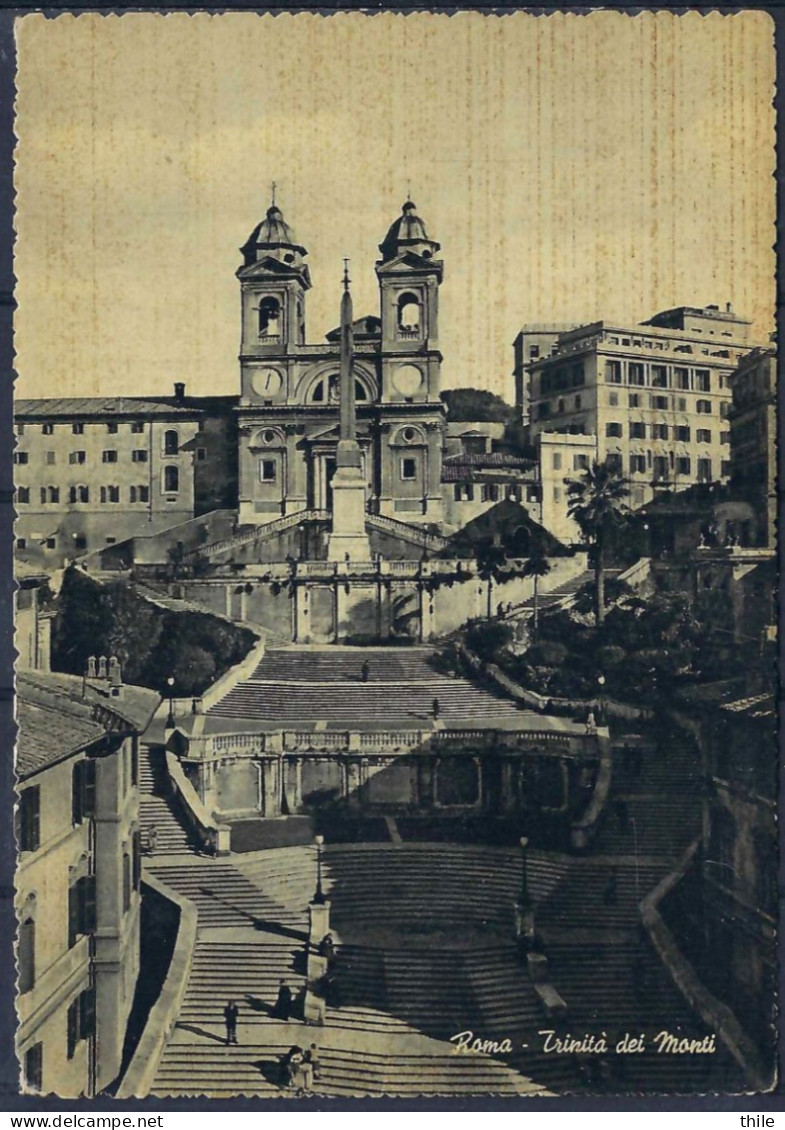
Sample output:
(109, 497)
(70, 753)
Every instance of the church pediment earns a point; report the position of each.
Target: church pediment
(331, 434)
(409, 262)
(272, 267)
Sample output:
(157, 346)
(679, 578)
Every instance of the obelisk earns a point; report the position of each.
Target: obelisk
(348, 539)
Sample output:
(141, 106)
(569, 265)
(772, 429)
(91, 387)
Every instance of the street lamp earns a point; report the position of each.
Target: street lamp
(318, 897)
(600, 711)
(170, 717)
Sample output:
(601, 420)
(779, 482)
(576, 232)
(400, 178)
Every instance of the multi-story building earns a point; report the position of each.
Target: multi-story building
(655, 396)
(78, 875)
(534, 342)
(288, 411)
(93, 471)
(753, 437)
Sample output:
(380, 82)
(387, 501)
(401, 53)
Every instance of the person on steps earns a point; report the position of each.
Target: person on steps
(231, 1012)
(436, 709)
(152, 839)
(327, 948)
(282, 1009)
(366, 671)
(312, 1059)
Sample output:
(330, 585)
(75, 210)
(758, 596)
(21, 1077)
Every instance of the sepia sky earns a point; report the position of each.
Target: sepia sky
(572, 166)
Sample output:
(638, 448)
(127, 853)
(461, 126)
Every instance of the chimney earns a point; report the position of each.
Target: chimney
(728, 307)
(114, 671)
(90, 667)
(179, 391)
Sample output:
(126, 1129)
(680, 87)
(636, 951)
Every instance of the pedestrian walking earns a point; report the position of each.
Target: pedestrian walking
(327, 948)
(436, 708)
(282, 1009)
(231, 1012)
(366, 671)
(312, 1059)
(152, 839)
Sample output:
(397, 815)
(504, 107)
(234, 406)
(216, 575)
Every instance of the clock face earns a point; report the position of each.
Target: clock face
(407, 380)
(266, 383)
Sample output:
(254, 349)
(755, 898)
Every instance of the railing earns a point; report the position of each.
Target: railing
(411, 533)
(637, 573)
(390, 740)
(257, 533)
(141, 1072)
(584, 829)
(214, 837)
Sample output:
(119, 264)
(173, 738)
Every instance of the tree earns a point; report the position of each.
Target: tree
(476, 404)
(535, 566)
(491, 565)
(596, 502)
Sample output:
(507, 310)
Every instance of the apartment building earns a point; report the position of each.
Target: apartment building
(92, 471)
(656, 396)
(78, 875)
(753, 437)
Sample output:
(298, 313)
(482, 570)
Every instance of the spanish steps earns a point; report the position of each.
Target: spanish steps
(157, 808)
(423, 940)
(300, 686)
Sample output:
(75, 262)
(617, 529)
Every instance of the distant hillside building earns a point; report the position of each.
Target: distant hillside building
(655, 396)
(78, 876)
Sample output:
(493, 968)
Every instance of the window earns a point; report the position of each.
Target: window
(171, 443)
(137, 427)
(534, 351)
(724, 437)
(703, 407)
(139, 455)
(77, 457)
(80, 1020)
(408, 469)
(29, 819)
(456, 492)
(704, 470)
(660, 403)
(683, 465)
(635, 373)
(201, 454)
(21, 543)
(613, 429)
(580, 462)
(703, 435)
(23, 494)
(79, 494)
(681, 403)
(702, 380)
(660, 466)
(82, 790)
(25, 955)
(78, 429)
(659, 376)
(613, 399)
(20, 429)
(578, 376)
(638, 464)
(724, 409)
(725, 472)
(557, 461)
(54, 494)
(171, 480)
(268, 470)
(51, 458)
(109, 456)
(81, 908)
(634, 399)
(110, 494)
(490, 492)
(637, 430)
(681, 378)
(20, 457)
(682, 433)
(47, 429)
(142, 494)
(126, 882)
(111, 427)
(659, 431)
(80, 541)
(269, 317)
(50, 543)
(408, 313)
(613, 372)
(34, 1067)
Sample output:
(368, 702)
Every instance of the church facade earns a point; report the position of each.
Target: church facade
(287, 412)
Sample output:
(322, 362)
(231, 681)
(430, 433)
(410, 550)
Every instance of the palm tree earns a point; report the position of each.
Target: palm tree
(491, 562)
(536, 565)
(596, 502)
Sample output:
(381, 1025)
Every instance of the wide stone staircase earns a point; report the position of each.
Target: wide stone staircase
(158, 809)
(299, 686)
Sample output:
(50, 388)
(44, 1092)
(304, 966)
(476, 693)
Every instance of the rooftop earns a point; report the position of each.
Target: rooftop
(113, 406)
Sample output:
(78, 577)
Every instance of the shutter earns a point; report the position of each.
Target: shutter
(73, 914)
(88, 904)
(137, 860)
(35, 802)
(77, 778)
(88, 792)
(72, 1025)
(134, 762)
(87, 1014)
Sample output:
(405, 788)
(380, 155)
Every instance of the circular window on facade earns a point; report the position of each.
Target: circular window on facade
(408, 435)
(269, 436)
(407, 380)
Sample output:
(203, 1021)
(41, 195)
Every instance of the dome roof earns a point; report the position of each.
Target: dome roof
(273, 233)
(408, 231)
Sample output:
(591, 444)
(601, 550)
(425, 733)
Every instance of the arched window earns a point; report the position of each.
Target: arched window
(409, 313)
(171, 480)
(269, 317)
(329, 389)
(126, 882)
(171, 442)
(26, 955)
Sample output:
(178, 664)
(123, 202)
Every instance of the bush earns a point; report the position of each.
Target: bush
(546, 653)
(488, 638)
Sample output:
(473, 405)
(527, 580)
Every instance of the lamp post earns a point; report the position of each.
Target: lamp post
(524, 908)
(600, 709)
(170, 716)
(525, 900)
(318, 897)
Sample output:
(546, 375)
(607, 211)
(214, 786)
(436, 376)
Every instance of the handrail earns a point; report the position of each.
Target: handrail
(141, 1071)
(717, 1016)
(585, 828)
(277, 525)
(411, 533)
(214, 837)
